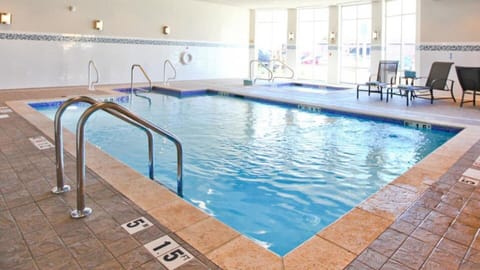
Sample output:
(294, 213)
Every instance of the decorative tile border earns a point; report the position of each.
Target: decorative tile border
(440, 47)
(111, 40)
(427, 47)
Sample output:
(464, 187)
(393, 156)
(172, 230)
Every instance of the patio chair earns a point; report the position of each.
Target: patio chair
(386, 78)
(469, 79)
(437, 80)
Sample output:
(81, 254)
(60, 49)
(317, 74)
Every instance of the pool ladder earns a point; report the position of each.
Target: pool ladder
(271, 75)
(133, 91)
(121, 113)
(144, 74)
(283, 64)
(264, 66)
(165, 79)
(91, 84)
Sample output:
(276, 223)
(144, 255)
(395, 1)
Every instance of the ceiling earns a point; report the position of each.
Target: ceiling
(253, 4)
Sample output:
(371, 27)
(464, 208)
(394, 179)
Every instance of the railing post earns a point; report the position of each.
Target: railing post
(82, 210)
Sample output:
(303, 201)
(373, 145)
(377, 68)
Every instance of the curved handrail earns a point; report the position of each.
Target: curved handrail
(61, 187)
(81, 210)
(288, 67)
(165, 79)
(270, 73)
(144, 74)
(90, 82)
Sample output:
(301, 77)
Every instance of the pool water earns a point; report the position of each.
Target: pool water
(309, 87)
(277, 174)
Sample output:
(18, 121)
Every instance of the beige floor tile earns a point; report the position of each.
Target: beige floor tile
(356, 230)
(389, 202)
(318, 253)
(150, 195)
(177, 214)
(437, 163)
(242, 253)
(208, 234)
(416, 179)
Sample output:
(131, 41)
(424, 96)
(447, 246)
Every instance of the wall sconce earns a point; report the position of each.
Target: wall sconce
(291, 36)
(98, 25)
(375, 35)
(166, 30)
(5, 18)
(332, 36)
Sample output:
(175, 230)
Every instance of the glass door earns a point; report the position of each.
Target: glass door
(400, 32)
(312, 44)
(355, 46)
(270, 38)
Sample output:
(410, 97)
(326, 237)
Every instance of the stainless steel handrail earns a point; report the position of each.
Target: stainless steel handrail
(91, 83)
(61, 187)
(81, 210)
(165, 79)
(270, 73)
(144, 74)
(285, 65)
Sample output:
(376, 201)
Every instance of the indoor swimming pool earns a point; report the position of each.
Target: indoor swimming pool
(276, 173)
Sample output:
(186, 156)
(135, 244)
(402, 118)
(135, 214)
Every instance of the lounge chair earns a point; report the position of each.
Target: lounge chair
(386, 78)
(437, 80)
(469, 79)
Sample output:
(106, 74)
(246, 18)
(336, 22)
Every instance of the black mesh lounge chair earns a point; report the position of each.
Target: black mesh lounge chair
(386, 78)
(469, 79)
(437, 80)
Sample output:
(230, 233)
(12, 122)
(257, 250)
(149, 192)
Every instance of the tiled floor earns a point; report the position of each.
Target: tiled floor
(438, 231)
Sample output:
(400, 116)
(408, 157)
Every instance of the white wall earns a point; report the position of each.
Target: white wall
(448, 31)
(49, 45)
(449, 21)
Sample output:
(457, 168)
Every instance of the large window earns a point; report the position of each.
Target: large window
(271, 37)
(400, 32)
(312, 44)
(355, 43)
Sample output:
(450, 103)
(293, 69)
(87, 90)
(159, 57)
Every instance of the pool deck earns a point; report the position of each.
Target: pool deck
(424, 219)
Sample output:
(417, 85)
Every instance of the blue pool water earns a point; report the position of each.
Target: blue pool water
(310, 87)
(277, 174)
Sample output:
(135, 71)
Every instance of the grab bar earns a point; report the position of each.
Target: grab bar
(61, 187)
(81, 210)
(288, 67)
(144, 74)
(165, 80)
(90, 82)
(270, 73)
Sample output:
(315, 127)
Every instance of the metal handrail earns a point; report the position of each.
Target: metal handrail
(90, 82)
(144, 74)
(270, 73)
(288, 67)
(61, 187)
(81, 210)
(165, 79)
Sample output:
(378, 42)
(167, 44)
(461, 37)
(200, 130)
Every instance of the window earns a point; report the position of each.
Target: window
(355, 46)
(271, 35)
(400, 32)
(312, 43)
